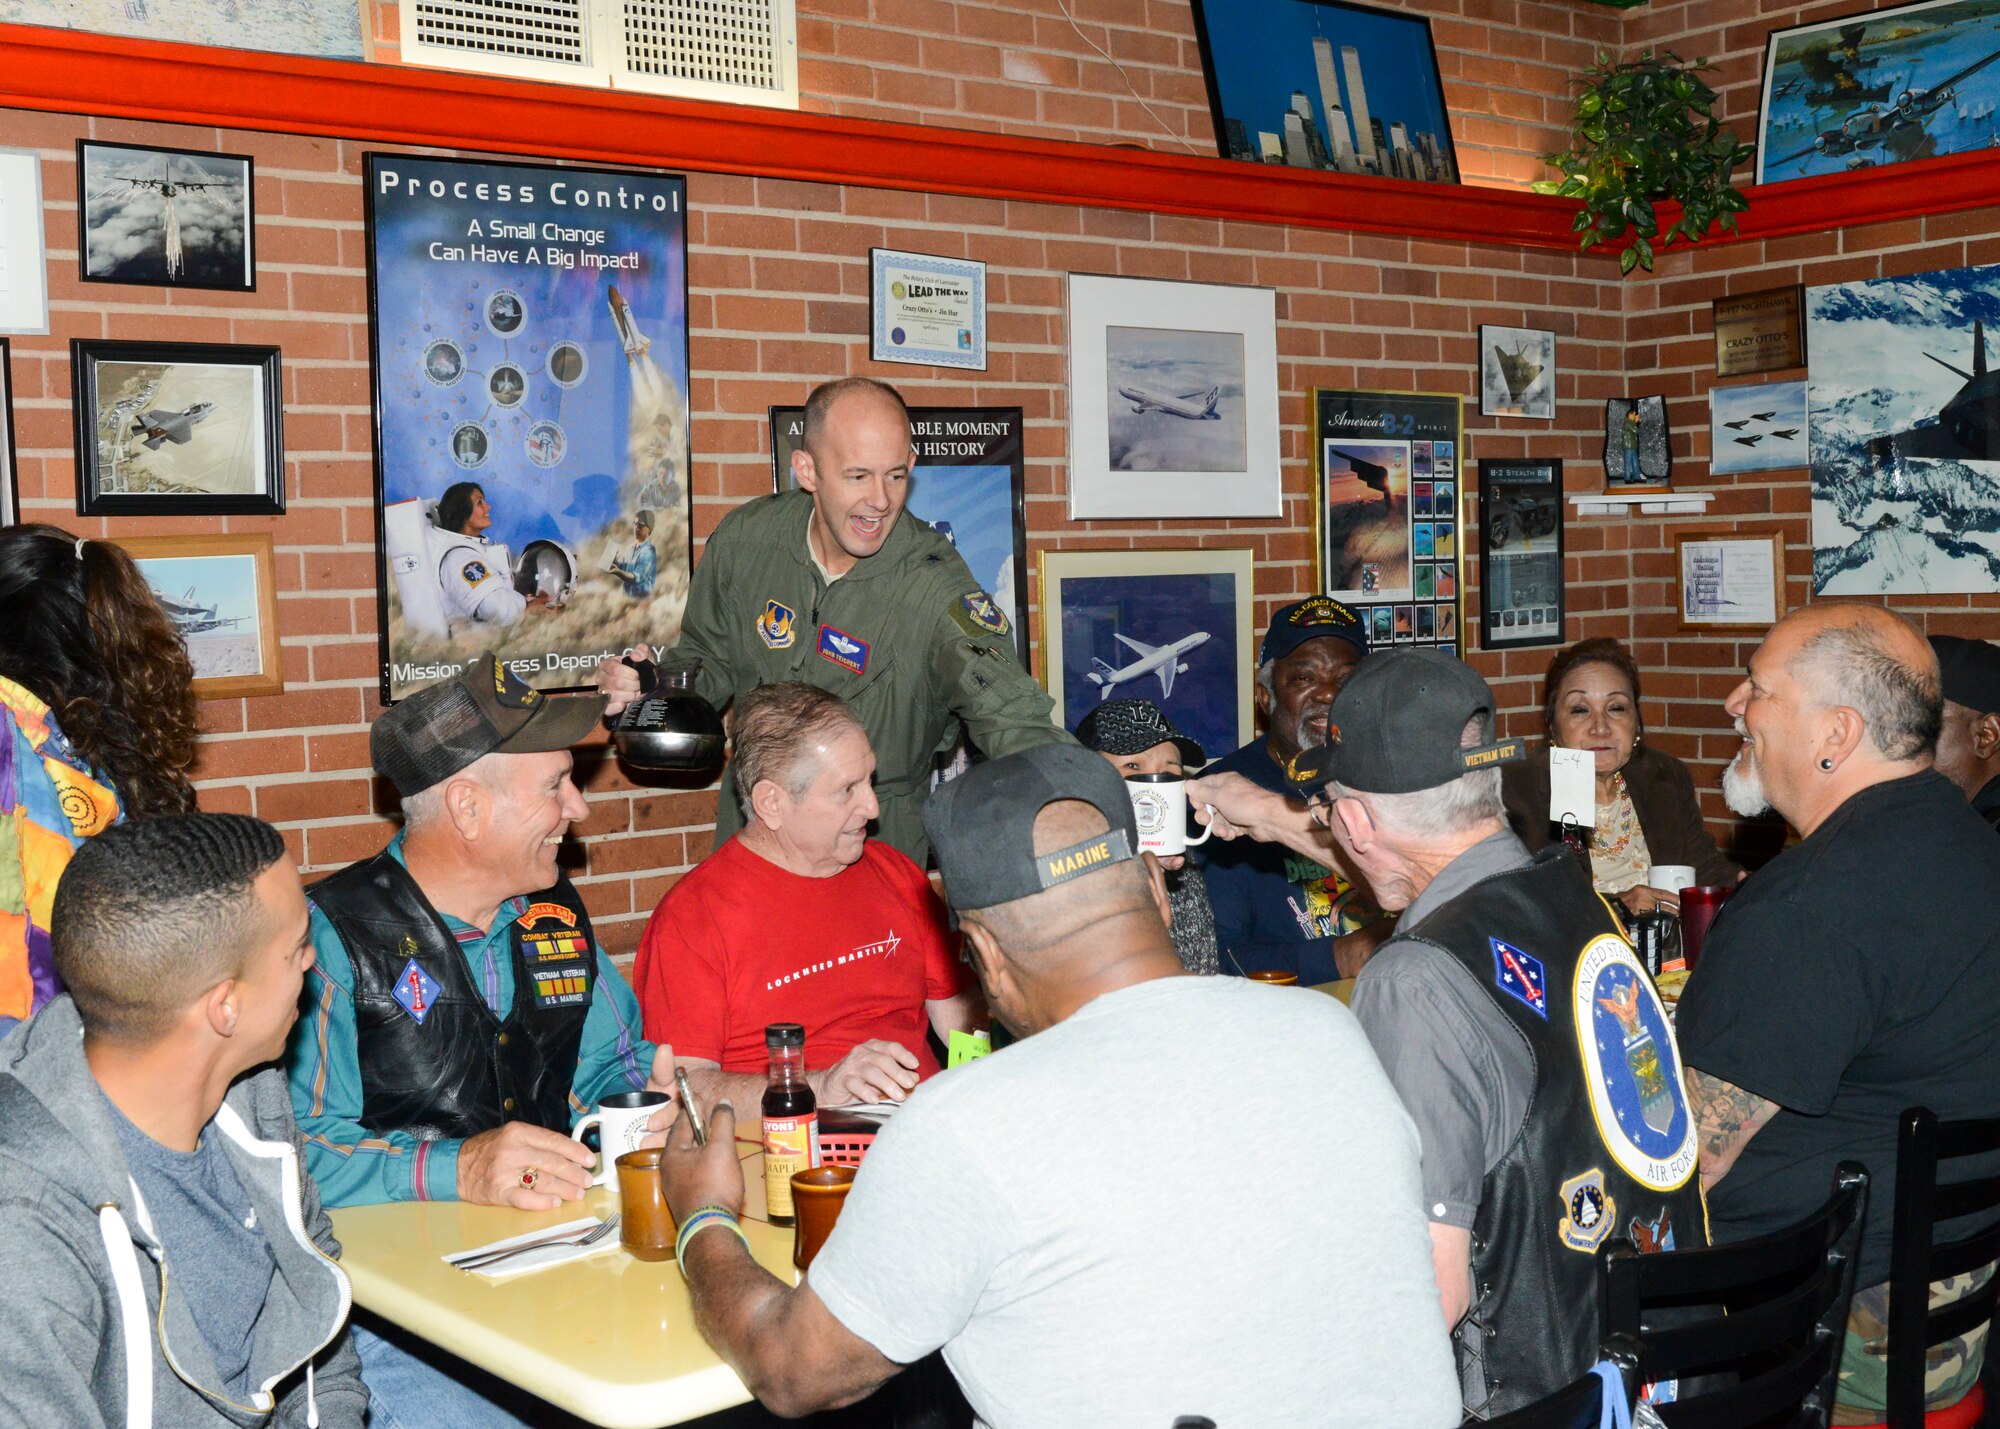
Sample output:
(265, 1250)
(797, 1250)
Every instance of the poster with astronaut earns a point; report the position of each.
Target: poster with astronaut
(529, 340)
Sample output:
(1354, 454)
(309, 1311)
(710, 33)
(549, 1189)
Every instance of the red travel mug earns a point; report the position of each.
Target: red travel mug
(1698, 909)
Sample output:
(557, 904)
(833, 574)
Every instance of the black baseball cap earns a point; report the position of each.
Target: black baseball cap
(1130, 726)
(1970, 671)
(487, 710)
(1396, 724)
(1309, 619)
(982, 824)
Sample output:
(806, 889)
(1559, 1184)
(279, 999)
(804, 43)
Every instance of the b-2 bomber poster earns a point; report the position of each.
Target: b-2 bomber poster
(529, 341)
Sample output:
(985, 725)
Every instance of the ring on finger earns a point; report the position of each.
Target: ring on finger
(531, 1178)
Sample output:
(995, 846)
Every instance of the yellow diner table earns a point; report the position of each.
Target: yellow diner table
(608, 1337)
(1342, 988)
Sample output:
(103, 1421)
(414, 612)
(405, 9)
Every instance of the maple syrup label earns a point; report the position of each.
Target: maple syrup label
(791, 1145)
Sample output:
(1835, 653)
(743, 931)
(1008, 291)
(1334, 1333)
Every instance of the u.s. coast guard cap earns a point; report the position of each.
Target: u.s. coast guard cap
(982, 824)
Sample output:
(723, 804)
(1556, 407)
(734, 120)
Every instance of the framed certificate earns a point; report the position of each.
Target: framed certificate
(926, 310)
(1731, 580)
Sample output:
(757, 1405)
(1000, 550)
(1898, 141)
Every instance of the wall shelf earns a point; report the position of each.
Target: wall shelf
(1645, 503)
(74, 72)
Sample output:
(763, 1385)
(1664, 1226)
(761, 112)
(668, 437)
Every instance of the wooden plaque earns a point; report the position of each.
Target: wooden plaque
(1760, 332)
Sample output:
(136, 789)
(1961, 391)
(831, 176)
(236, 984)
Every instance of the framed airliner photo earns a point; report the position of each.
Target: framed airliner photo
(1173, 627)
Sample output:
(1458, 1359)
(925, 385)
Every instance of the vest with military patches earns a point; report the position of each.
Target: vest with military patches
(435, 1059)
(1607, 1147)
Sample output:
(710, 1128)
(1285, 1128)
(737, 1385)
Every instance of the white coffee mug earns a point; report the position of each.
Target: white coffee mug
(1160, 807)
(1670, 877)
(620, 1121)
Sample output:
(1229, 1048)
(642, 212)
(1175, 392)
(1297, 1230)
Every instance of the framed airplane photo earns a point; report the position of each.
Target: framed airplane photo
(1173, 627)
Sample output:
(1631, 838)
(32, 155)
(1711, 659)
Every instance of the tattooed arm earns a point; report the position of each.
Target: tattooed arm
(1725, 1118)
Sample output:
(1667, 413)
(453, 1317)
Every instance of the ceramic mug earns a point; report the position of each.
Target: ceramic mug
(1160, 807)
(620, 1122)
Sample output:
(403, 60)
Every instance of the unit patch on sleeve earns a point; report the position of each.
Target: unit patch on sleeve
(416, 989)
(843, 649)
(473, 572)
(774, 626)
(977, 613)
(1520, 975)
(1632, 1067)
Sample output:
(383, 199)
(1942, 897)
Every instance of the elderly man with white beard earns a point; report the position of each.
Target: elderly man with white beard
(1853, 976)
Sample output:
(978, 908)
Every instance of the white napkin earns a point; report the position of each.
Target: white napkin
(542, 1257)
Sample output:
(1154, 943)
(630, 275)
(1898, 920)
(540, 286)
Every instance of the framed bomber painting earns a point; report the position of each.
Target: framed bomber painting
(1173, 627)
(221, 593)
(172, 218)
(969, 484)
(1386, 530)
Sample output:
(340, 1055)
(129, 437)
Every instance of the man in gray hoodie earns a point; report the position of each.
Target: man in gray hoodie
(169, 1261)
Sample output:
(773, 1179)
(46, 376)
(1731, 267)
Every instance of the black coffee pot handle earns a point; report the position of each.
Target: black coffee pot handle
(649, 675)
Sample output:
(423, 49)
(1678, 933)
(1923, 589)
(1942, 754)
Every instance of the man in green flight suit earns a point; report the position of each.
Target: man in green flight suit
(827, 585)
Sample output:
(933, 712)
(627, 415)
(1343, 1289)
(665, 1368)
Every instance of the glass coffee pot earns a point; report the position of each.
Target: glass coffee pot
(669, 727)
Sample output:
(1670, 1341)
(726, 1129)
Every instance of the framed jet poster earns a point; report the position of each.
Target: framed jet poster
(1520, 552)
(1386, 529)
(528, 326)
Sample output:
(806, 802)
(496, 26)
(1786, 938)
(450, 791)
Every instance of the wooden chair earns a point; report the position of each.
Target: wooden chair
(1917, 1258)
(1576, 1406)
(1763, 1319)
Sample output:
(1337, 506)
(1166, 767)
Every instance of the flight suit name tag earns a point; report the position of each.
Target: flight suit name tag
(843, 649)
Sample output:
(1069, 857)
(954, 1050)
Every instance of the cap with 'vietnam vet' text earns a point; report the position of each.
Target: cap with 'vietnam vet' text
(1396, 725)
(982, 824)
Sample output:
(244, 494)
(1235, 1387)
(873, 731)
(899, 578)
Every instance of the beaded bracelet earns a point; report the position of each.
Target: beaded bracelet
(699, 1220)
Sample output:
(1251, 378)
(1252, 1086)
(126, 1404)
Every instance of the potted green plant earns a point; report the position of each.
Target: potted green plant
(1645, 130)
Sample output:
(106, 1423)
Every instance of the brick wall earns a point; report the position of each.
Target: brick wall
(1129, 71)
(778, 282)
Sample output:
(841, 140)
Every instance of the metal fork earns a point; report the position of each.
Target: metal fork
(590, 1237)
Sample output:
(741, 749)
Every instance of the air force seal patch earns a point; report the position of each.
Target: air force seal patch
(1520, 975)
(985, 614)
(774, 626)
(1632, 1067)
(416, 990)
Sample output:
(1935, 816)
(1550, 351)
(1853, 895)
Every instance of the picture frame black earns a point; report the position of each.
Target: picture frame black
(10, 470)
(215, 410)
(1521, 578)
(126, 260)
(1242, 39)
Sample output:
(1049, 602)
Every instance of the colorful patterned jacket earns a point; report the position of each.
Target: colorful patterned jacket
(50, 801)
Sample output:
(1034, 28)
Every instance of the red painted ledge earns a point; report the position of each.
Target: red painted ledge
(73, 72)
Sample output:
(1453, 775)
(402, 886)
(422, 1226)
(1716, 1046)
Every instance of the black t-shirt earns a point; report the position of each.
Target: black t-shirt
(1856, 975)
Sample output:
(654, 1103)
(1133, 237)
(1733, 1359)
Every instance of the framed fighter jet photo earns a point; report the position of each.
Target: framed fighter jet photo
(168, 218)
(1173, 627)
(177, 429)
(1517, 372)
(1865, 91)
(221, 593)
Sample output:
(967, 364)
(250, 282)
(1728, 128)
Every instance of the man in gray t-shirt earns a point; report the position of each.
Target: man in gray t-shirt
(1178, 1196)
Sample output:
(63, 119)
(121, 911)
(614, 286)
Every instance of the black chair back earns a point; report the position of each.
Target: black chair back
(1576, 1406)
(1916, 1258)
(1763, 1319)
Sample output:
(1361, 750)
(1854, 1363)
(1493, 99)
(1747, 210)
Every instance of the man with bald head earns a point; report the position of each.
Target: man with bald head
(829, 585)
(1084, 1220)
(1853, 976)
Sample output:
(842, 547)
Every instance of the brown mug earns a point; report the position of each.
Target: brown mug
(817, 1196)
(645, 1225)
(1274, 977)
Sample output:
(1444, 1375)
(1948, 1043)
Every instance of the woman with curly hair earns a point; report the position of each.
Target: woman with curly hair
(97, 722)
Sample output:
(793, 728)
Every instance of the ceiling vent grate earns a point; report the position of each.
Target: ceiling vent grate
(735, 51)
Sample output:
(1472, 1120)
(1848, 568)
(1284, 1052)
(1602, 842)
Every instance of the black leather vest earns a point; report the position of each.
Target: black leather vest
(1607, 1147)
(435, 1060)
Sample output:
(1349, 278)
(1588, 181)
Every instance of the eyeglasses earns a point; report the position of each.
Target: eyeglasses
(1317, 803)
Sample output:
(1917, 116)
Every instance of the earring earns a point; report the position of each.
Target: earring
(1827, 765)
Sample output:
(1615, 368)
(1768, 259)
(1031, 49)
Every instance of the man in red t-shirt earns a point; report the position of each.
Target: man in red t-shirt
(801, 917)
